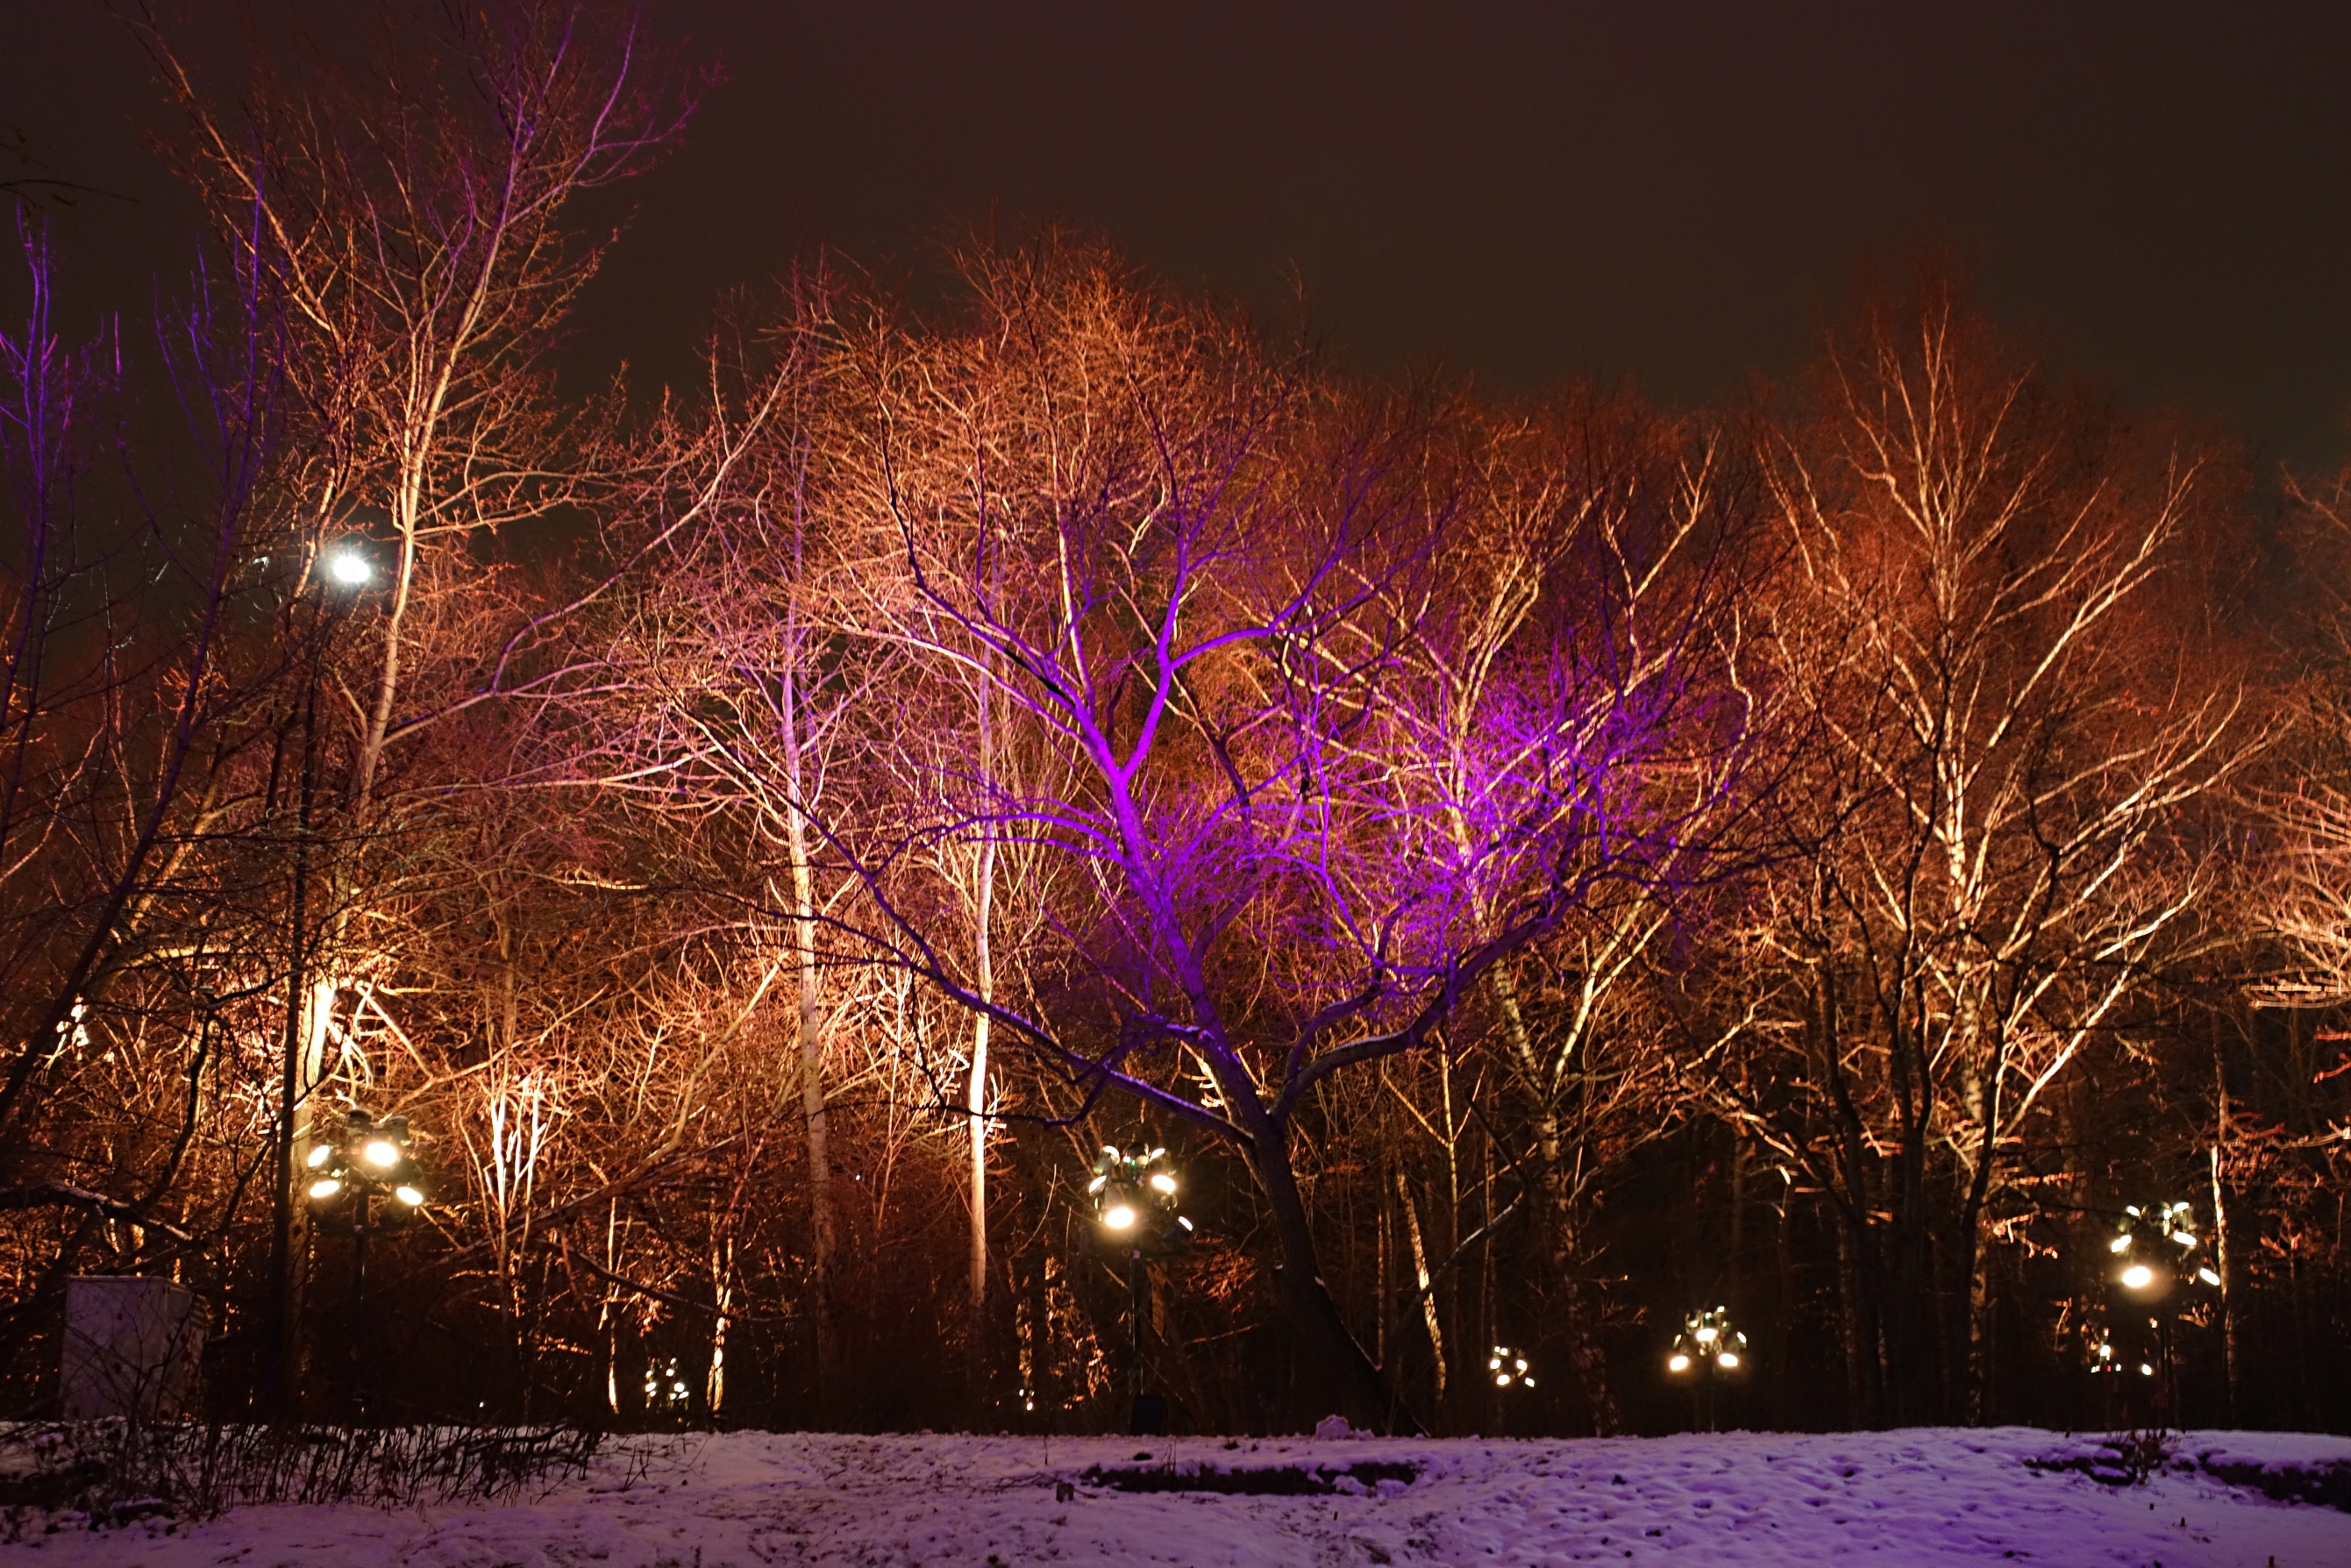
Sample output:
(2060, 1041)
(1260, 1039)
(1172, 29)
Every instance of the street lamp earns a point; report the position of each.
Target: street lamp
(347, 569)
(1136, 1216)
(364, 1179)
(1708, 1351)
(2158, 1266)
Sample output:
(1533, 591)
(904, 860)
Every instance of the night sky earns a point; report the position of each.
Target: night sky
(1681, 194)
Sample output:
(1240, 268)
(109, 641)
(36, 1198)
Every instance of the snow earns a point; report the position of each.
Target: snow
(1917, 1496)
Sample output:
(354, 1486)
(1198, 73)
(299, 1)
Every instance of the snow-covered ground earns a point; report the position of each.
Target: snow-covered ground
(1921, 1496)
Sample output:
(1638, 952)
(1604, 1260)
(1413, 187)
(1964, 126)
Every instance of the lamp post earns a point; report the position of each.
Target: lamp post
(347, 569)
(1136, 1217)
(364, 1179)
(2158, 1266)
(1708, 1352)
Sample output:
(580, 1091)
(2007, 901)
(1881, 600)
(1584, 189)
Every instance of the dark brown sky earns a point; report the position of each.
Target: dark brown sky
(1681, 192)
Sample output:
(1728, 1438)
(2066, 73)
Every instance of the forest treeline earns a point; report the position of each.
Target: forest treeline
(1541, 865)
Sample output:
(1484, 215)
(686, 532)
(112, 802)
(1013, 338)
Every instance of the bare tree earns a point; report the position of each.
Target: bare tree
(1187, 571)
(1993, 622)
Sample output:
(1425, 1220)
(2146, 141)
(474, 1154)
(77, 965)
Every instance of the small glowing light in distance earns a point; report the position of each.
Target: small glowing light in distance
(318, 1156)
(1728, 1359)
(2209, 1276)
(1501, 1380)
(1678, 1363)
(1120, 1218)
(326, 1187)
(2119, 1244)
(349, 568)
(1184, 1222)
(2138, 1275)
(1161, 1181)
(383, 1154)
(409, 1195)
(2145, 1370)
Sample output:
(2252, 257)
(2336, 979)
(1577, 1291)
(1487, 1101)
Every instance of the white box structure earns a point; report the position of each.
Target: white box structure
(131, 1347)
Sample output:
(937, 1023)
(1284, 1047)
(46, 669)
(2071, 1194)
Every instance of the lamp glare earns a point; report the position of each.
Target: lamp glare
(1678, 1363)
(326, 1187)
(2138, 1277)
(1161, 1181)
(409, 1195)
(1120, 1218)
(1728, 1360)
(383, 1154)
(349, 568)
(318, 1156)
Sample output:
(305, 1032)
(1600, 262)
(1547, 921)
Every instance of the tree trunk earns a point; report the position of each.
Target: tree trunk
(811, 1040)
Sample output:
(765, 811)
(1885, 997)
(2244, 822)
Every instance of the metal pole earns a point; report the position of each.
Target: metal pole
(1136, 1286)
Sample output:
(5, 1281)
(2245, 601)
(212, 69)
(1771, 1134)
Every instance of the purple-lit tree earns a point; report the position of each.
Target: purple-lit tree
(1191, 576)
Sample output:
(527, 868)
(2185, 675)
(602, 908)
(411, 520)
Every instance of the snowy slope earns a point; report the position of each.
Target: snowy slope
(1921, 1496)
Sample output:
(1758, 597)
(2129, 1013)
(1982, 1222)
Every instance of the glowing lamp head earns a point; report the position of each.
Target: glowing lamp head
(325, 1188)
(2138, 1277)
(349, 568)
(320, 1156)
(1705, 1336)
(1119, 1218)
(2119, 1244)
(409, 1195)
(1678, 1363)
(2209, 1276)
(381, 1153)
(1161, 1182)
(1729, 1359)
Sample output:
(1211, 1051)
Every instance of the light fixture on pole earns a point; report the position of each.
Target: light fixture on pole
(1708, 1352)
(348, 569)
(363, 1179)
(1136, 1216)
(2158, 1266)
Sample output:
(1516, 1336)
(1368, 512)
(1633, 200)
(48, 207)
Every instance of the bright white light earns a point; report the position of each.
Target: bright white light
(2209, 1276)
(320, 1155)
(1678, 1363)
(1120, 1218)
(1705, 1336)
(409, 1195)
(1163, 1182)
(2138, 1275)
(1728, 1360)
(1184, 1222)
(2145, 1370)
(326, 1188)
(1096, 1185)
(2185, 1238)
(1501, 1380)
(383, 1154)
(349, 568)
(2119, 1244)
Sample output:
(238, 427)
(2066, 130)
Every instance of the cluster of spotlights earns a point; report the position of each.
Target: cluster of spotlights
(2158, 1248)
(1134, 1201)
(367, 1159)
(2103, 1359)
(1708, 1345)
(1509, 1368)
